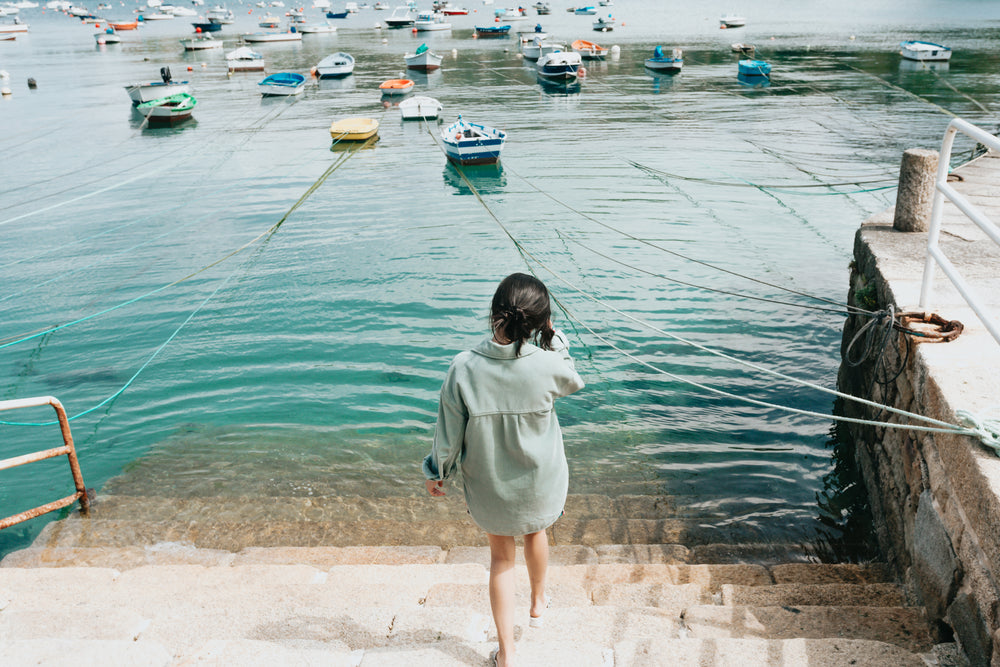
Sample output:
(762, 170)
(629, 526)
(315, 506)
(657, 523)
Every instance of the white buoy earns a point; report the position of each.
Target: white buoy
(385, 41)
(6, 92)
(616, 52)
(851, 38)
(454, 52)
(4, 75)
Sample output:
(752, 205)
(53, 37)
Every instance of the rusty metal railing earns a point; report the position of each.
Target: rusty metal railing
(67, 449)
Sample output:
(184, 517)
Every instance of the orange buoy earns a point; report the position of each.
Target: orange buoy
(582, 72)
(190, 69)
(198, 30)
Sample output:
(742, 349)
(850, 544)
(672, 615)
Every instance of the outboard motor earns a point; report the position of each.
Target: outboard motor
(165, 74)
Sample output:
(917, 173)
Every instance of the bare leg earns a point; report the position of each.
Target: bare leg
(502, 594)
(536, 556)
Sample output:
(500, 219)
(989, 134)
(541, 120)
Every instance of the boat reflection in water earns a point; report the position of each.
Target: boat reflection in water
(661, 80)
(906, 65)
(559, 88)
(427, 79)
(344, 84)
(487, 179)
(753, 81)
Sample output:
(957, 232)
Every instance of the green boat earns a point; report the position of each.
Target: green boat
(169, 109)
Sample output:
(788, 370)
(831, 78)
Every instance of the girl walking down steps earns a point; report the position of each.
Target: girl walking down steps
(497, 424)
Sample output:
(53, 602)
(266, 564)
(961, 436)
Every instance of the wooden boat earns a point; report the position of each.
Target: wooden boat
(170, 109)
(744, 49)
(424, 59)
(335, 66)
(732, 21)
(396, 86)
(661, 62)
(145, 92)
(337, 15)
(108, 36)
(201, 43)
(420, 107)
(207, 26)
(244, 59)
(589, 50)
(354, 129)
(316, 28)
(924, 51)
(282, 83)
(492, 31)
(431, 21)
(751, 68)
(258, 37)
(471, 143)
(604, 24)
(559, 66)
(401, 18)
(124, 25)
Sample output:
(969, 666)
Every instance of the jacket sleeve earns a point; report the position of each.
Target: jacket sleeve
(569, 381)
(449, 434)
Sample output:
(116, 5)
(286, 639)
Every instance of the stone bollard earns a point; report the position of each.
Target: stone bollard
(915, 195)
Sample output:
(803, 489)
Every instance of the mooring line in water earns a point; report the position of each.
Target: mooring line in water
(103, 258)
(688, 258)
(901, 89)
(763, 186)
(941, 426)
(263, 235)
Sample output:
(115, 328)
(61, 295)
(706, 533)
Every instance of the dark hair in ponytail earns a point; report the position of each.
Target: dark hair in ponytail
(521, 310)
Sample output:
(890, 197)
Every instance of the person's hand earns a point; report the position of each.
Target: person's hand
(434, 487)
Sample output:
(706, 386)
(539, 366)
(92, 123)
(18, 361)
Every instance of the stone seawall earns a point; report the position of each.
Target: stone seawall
(935, 497)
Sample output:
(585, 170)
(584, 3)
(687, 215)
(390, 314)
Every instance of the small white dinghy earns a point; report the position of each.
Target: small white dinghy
(282, 83)
(923, 51)
(420, 108)
(335, 66)
(244, 59)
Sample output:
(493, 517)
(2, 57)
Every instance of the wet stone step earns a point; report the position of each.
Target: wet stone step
(237, 535)
(905, 627)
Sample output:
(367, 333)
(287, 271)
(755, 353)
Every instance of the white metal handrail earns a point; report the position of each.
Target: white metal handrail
(68, 450)
(934, 252)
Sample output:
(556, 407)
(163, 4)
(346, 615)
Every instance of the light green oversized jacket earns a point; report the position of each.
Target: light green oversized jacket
(496, 421)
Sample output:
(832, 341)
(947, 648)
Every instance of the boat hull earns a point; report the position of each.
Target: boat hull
(420, 108)
(124, 26)
(924, 51)
(207, 27)
(396, 87)
(200, 44)
(282, 84)
(336, 66)
(273, 37)
(485, 148)
(424, 62)
(665, 65)
(354, 129)
(147, 92)
(559, 67)
(754, 68)
(168, 110)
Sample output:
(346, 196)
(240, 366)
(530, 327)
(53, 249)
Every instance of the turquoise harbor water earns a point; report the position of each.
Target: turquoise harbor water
(309, 363)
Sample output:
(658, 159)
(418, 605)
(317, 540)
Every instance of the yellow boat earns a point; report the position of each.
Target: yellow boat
(354, 129)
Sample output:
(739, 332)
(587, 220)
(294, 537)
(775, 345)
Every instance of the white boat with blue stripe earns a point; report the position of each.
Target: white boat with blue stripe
(471, 143)
(916, 50)
(282, 83)
(560, 66)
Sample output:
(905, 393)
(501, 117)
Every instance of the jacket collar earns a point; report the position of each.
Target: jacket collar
(488, 348)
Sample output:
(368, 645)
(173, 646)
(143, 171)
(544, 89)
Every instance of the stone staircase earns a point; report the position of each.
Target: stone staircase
(222, 579)
(167, 604)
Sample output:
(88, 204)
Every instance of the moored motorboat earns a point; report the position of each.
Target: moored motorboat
(424, 59)
(221, 15)
(201, 43)
(108, 36)
(661, 62)
(9, 28)
(455, 11)
(316, 28)
(589, 50)
(584, 11)
(560, 66)
(396, 86)
(542, 8)
(923, 51)
(269, 22)
(169, 109)
(401, 17)
(282, 83)
(354, 129)
(540, 47)
(124, 25)
(156, 16)
(145, 92)
(258, 37)
(431, 21)
(335, 66)
(751, 68)
(244, 59)
(492, 31)
(732, 21)
(207, 26)
(337, 15)
(604, 24)
(468, 143)
(420, 107)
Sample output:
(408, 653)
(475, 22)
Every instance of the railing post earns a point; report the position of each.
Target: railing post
(74, 463)
(934, 229)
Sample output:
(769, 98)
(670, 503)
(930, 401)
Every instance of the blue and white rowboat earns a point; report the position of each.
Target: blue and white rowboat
(470, 143)
(282, 83)
(561, 66)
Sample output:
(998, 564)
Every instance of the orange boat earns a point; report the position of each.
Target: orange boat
(124, 26)
(589, 50)
(396, 87)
